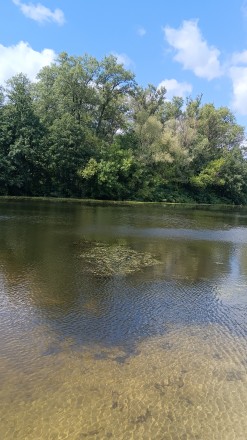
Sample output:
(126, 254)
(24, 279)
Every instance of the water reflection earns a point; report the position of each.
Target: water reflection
(40, 252)
(161, 328)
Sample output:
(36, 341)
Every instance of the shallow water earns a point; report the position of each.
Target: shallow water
(96, 344)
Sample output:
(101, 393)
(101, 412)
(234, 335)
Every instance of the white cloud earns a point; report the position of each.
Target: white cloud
(175, 88)
(141, 31)
(22, 58)
(238, 75)
(239, 58)
(40, 13)
(192, 51)
(122, 58)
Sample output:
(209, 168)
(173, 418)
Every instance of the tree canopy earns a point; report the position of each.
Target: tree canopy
(85, 128)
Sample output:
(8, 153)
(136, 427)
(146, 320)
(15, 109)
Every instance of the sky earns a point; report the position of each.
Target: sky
(191, 47)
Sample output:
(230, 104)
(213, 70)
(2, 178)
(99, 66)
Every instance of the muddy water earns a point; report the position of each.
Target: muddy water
(122, 322)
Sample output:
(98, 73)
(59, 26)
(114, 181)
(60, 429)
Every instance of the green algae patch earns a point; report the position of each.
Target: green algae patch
(104, 259)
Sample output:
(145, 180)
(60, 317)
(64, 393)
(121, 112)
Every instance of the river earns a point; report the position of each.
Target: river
(122, 322)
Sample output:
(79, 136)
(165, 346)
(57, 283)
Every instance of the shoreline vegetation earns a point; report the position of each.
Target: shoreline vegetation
(86, 130)
(98, 202)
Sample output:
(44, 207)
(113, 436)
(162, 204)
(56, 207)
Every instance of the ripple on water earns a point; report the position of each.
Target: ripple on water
(180, 385)
(158, 353)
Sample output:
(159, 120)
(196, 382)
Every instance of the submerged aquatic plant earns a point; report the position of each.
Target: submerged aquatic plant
(105, 259)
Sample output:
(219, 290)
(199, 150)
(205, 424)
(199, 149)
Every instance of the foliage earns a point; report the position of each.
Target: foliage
(112, 176)
(86, 129)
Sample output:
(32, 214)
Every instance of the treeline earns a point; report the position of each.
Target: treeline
(87, 129)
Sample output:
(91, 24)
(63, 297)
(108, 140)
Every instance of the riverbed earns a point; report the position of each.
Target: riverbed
(122, 322)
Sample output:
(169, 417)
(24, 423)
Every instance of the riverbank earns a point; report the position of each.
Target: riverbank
(115, 202)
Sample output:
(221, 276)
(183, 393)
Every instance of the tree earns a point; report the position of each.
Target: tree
(147, 108)
(220, 128)
(115, 175)
(70, 146)
(114, 86)
(23, 138)
(173, 109)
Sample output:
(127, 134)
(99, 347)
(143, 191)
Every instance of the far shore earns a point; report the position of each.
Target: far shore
(115, 202)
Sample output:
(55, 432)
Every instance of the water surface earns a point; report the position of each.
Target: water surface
(96, 345)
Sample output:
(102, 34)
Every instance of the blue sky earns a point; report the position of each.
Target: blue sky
(191, 47)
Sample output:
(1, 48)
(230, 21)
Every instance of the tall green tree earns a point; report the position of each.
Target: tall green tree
(23, 138)
(69, 147)
(114, 85)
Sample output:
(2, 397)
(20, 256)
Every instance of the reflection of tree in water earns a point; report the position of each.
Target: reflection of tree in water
(190, 260)
(111, 309)
(33, 254)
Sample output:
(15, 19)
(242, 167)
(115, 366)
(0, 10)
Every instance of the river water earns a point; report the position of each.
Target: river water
(122, 322)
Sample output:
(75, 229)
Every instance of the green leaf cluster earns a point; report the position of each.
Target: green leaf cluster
(85, 128)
